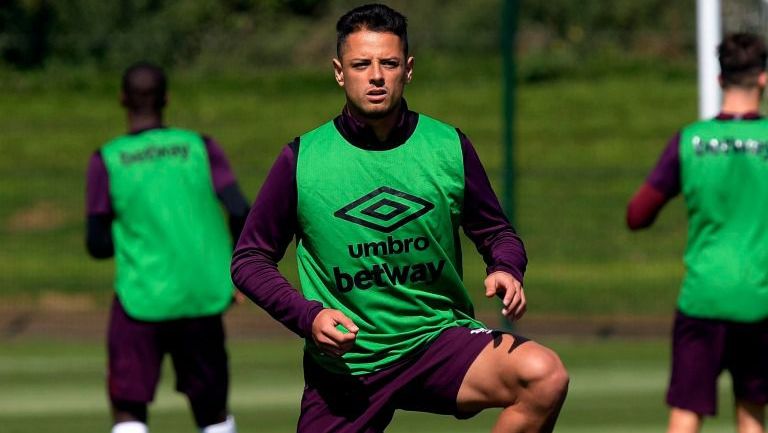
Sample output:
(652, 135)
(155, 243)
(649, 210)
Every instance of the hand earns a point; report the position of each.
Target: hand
(238, 297)
(329, 339)
(511, 292)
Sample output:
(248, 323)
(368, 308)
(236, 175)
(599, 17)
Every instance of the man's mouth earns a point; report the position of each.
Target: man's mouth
(376, 95)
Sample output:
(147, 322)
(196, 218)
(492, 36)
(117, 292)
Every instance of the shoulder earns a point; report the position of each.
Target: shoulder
(431, 123)
(699, 126)
(322, 130)
(96, 161)
(182, 132)
(114, 143)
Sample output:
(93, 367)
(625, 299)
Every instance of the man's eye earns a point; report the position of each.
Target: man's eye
(390, 65)
(359, 65)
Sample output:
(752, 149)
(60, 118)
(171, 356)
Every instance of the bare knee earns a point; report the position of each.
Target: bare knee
(543, 379)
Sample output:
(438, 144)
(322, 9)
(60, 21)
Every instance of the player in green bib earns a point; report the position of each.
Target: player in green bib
(155, 200)
(375, 199)
(721, 167)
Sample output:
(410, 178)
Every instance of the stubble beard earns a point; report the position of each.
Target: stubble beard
(374, 114)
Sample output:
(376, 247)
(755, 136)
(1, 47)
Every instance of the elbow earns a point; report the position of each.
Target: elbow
(234, 270)
(99, 251)
(98, 236)
(636, 220)
(644, 207)
(236, 225)
(239, 268)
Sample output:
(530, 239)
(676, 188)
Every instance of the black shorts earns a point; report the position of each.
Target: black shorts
(703, 348)
(136, 350)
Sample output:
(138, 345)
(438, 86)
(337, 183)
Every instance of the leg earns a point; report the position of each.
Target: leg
(208, 413)
(127, 411)
(698, 348)
(199, 355)
(135, 357)
(524, 378)
(339, 403)
(750, 417)
(747, 360)
(683, 421)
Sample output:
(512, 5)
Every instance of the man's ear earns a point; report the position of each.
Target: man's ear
(409, 69)
(338, 73)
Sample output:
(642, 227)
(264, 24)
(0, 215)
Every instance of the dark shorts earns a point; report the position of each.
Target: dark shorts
(427, 382)
(703, 348)
(136, 350)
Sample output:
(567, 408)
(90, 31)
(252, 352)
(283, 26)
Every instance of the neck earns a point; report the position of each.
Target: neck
(141, 121)
(738, 100)
(381, 126)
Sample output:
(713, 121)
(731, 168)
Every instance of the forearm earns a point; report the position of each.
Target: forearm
(504, 251)
(98, 238)
(662, 184)
(258, 278)
(98, 210)
(269, 229)
(236, 206)
(484, 221)
(645, 207)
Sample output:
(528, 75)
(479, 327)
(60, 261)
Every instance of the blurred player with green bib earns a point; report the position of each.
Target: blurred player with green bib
(721, 167)
(154, 202)
(376, 198)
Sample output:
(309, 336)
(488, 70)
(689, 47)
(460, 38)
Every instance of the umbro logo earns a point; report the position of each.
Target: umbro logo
(384, 209)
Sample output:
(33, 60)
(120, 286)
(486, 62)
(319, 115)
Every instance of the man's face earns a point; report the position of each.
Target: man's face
(373, 71)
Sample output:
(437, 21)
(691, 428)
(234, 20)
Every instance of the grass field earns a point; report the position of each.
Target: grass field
(54, 386)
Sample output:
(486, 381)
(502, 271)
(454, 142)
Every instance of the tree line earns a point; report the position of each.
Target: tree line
(275, 33)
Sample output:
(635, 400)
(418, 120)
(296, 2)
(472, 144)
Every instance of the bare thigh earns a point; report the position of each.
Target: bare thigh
(502, 372)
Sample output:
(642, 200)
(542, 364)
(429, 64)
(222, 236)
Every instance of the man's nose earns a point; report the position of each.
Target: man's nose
(377, 76)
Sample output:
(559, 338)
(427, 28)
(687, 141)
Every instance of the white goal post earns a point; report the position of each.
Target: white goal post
(715, 18)
(708, 35)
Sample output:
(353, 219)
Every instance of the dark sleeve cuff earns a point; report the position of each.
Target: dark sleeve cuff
(517, 273)
(305, 325)
(98, 237)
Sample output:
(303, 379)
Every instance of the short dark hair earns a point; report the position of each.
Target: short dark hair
(742, 59)
(373, 17)
(144, 86)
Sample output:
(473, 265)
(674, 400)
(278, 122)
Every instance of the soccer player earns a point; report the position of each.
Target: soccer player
(375, 199)
(152, 203)
(721, 167)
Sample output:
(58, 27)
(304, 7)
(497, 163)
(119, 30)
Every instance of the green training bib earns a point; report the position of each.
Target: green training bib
(380, 240)
(172, 247)
(724, 173)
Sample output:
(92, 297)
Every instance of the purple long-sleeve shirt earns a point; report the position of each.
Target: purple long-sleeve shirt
(272, 224)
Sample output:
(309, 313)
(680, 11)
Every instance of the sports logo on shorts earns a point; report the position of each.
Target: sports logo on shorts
(384, 209)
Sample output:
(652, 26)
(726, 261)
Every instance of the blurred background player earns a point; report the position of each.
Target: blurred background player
(721, 167)
(375, 198)
(152, 193)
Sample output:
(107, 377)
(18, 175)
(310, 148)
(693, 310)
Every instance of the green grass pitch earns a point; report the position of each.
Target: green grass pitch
(54, 386)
